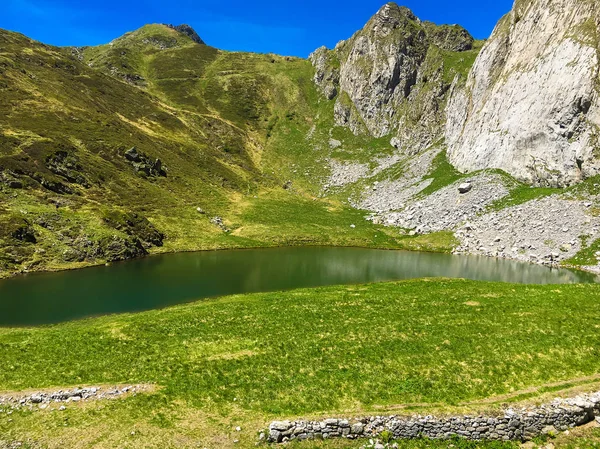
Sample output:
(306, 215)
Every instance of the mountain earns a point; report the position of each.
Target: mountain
(531, 103)
(497, 141)
(157, 142)
(393, 76)
(529, 106)
(154, 142)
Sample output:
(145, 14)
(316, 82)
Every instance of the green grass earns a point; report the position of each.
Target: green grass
(460, 63)
(439, 242)
(245, 360)
(284, 218)
(521, 194)
(443, 174)
(587, 255)
(229, 127)
(274, 217)
(581, 439)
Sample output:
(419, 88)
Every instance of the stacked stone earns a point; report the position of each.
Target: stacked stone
(523, 424)
(74, 395)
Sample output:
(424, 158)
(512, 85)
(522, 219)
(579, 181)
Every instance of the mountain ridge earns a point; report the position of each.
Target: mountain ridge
(188, 31)
(157, 143)
(391, 75)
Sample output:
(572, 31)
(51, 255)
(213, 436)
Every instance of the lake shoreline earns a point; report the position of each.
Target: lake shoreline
(83, 265)
(159, 282)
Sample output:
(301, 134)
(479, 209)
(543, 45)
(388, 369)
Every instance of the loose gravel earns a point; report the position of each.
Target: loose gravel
(447, 208)
(546, 231)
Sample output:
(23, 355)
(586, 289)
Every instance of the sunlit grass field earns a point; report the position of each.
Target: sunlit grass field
(246, 360)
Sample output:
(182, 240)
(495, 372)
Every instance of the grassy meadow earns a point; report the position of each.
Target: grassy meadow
(406, 347)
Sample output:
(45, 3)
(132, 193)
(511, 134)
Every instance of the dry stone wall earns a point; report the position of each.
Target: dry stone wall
(514, 424)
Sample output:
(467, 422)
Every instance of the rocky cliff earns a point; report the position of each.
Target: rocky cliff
(530, 105)
(392, 77)
(188, 31)
(527, 104)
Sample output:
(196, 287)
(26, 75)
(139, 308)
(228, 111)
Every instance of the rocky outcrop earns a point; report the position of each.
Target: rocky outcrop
(381, 64)
(392, 77)
(112, 248)
(10, 180)
(327, 71)
(143, 164)
(530, 105)
(22, 231)
(66, 166)
(188, 31)
(136, 226)
(449, 37)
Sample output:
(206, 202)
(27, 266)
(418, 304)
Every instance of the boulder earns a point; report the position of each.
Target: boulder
(14, 184)
(282, 426)
(144, 164)
(465, 187)
(24, 232)
(132, 155)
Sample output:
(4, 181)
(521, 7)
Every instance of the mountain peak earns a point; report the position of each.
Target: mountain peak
(391, 11)
(188, 31)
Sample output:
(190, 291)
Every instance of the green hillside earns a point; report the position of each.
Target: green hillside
(415, 347)
(110, 152)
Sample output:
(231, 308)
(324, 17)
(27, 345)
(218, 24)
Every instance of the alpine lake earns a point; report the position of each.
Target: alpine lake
(165, 280)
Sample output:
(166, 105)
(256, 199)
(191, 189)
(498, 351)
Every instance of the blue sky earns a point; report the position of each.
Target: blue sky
(283, 27)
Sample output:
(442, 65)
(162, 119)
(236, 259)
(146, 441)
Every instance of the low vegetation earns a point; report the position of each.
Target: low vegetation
(244, 360)
(229, 130)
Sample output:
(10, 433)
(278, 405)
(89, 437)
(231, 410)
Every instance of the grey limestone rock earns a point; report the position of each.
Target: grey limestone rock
(387, 79)
(531, 105)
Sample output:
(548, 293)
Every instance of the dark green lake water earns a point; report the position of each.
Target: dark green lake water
(160, 281)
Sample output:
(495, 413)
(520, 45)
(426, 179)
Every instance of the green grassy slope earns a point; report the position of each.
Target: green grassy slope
(241, 136)
(228, 128)
(245, 360)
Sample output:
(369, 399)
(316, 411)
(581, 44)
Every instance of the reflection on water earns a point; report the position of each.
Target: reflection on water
(171, 279)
